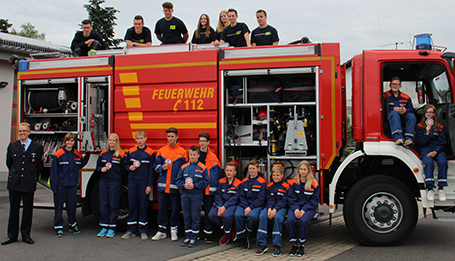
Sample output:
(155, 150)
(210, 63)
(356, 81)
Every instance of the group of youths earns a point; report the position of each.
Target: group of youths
(429, 135)
(172, 30)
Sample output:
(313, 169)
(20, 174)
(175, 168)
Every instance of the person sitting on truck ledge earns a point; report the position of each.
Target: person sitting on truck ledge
(168, 162)
(400, 111)
(64, 177)
(431, 138)
(138, 35)
(236, 34)
(170, 29)
(192, 180)
(264, 34)
(86, 40)
(139, 164)
(251, 202)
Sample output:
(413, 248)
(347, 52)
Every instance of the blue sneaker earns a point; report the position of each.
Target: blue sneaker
(59, 233)
(74, 230)
(110, 233)
(185, 242)
(192, 243)
(102, 233)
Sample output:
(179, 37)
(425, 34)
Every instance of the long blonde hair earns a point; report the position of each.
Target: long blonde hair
(117, 143)
(220, 25)
(309, 177)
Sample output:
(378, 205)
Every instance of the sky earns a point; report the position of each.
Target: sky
(357, 25)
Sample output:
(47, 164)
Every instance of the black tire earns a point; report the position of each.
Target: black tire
(380, 210)
(123, 211)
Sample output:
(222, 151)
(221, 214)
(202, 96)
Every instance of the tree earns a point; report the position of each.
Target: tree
(103, 20)
(4, 25)
(29, 30)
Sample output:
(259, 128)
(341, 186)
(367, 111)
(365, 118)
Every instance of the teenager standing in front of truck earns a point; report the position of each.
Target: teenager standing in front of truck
(66, 164)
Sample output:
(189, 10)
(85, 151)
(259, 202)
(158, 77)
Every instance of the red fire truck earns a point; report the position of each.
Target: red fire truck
(278, 104)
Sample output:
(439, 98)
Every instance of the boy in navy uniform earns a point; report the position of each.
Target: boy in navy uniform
(139, 163)
(192, 181)
(275, 209)
(264, 34)
(170, 29)
(236, 34)
(210, 160)
(251, 202)
(226, 200)
(64, 177)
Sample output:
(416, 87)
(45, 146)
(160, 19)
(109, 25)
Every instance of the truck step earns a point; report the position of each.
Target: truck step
(443, 216)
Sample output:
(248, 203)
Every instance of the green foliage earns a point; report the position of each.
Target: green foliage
(103, 19)
(29, 30)
(350, 144)
(4, 25)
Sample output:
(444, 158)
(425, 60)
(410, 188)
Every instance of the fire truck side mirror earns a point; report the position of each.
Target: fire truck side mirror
(14, 61)
(3, 84)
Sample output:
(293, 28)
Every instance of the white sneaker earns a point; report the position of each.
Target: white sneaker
(144, 236)
(430, 195)
(442, 196)
(159, 235)
(174, 236)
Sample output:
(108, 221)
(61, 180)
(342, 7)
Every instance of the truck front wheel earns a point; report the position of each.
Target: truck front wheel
(380, 210)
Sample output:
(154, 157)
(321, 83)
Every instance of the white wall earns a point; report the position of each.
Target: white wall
(6, 97)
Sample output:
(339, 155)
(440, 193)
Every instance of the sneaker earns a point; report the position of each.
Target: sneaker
(430, 195)
(192, 243)
(277, 251)
(247, 242)
(74, 230)
(110, 233)
(209, 239)
(185, 242)
(159, 235)
(224, 240)
(128, 234)
(301, 251)
(102, 233)
(409, 144)
(144, 236)
(293, 251)
(174, 236)
(442, 196)
(59, 233)
(261, 250)
(399, 142)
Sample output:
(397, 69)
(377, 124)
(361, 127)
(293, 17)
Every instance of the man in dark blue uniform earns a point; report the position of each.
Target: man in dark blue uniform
(264, 34)
(170, 29)
(24, 162)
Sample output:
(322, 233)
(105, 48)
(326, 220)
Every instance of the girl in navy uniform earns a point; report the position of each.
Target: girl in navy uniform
(66, 165)
(431, 138)
(110, 164)
(303, 198)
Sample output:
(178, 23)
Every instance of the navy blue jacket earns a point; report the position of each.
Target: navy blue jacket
(276, 195)
(252, 192)
(118, 164)
(435, 141)
(145, 173)
(227, 194)
(66, 166)
(302, 199)
(198, 175)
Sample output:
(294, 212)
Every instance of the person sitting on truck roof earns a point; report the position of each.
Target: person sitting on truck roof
(236, 34)
(138, 34)
(86, 40)
(170, 29)
(204, 33)
(400, 111)
(431, 138)
(264, 34)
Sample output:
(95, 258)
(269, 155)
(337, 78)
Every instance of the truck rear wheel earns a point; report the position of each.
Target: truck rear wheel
(380, 210)
(123, 210)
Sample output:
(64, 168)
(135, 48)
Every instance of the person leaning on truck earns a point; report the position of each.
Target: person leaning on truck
(138, 34)
(86, 40)
(400, 111)
(170, 29)
(264, 34)
(236, 34)
(25, 163)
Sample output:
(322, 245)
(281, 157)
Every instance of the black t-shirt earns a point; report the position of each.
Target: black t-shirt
(171, 31)
(79, 42)
(203, 39)
(264, 36)
(202, 157)
(235, 35)
(144, 37)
